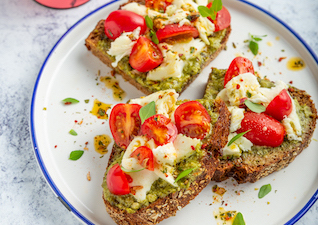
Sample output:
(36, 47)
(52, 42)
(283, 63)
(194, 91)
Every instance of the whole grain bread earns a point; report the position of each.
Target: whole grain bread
(97, 35)
(168, 206)
(251, 167)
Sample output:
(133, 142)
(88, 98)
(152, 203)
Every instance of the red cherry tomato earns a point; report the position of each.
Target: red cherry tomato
(265, 130)
(192, 120)
(145, 55)
(175, 32)
(158, 5)
(120, 21)
(145, 157)
(160, 128)
(280, 106)
(117, 182)
(124, 122)
(238, 66)
(222, 19)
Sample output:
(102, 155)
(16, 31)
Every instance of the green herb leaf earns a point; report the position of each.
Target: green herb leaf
(237, 137)
(239, 220)
(86, 100)
(265, 189)
(184, 173)
(68, 101)
(75, 155)
(254, 47)
(130, 171)
(149, 22)
(154, 38)
(256, 38)
(73, 132)
(216, 6)
(258, 108)
(147, 111)
(204, 11)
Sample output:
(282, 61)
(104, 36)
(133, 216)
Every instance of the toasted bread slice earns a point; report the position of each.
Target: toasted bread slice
(168, 204)
(260, 162)
(98, 43)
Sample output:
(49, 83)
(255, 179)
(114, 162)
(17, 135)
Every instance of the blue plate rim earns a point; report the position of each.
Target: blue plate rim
(41, 164)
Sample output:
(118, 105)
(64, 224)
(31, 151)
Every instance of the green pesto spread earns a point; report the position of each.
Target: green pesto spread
(193, 65)
(161, 188)
(303, 111)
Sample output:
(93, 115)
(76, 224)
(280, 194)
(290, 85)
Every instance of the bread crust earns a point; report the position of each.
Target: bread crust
(91, 43)
(168, 206)
(244, 172)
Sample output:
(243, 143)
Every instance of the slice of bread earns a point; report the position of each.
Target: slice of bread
(98, 43)
(260, 162)
(168, 204)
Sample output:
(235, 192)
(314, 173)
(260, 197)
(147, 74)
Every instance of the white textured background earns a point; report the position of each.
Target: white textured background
(28, 31)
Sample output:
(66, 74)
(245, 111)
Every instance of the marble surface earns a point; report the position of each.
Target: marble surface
(28, 32)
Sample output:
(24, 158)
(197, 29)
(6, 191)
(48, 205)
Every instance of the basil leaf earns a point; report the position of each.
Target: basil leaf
(254, 47)
(239, 220)
(265, 189)
(147, 111)
(183, 174)
(257, 38)
(216, 6)
(130, 171)
(154, 38)
(75, 155)
(237, 137)
(258, 108)
(73, 132)
(149, 22)
(68, 101)
(204, 11)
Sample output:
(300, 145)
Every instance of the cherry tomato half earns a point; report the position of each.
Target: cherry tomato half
(160, 128)
(145, 157)
(280, 106)
(158, 5)
(117, 182)
(222, 19)
(174, 32)
(238, 66)
(192, 119)
(145, 55)
(265, 130)
(124, 122)
(120, 21)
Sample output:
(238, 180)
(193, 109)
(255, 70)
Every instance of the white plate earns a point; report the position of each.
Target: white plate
(70, 71)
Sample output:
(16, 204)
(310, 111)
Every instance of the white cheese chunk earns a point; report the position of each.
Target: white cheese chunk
(171, 66)
(241, 144)
(123, 45)
(191, 48)
(165, 101)
(292, 125)
(185, 146)
(165, 154)
(205, 28)
(136, 8)
(165, 173)
(237, 115)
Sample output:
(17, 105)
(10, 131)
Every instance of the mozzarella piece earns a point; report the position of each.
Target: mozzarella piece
(205, 28)
(165, 154)
(237, 115)
(292, 125)
(186, 48)
(165, 173)
(165, 101)
(123, 45)
(171, 66)
(178, 16)
(185, 146)
(241, 144)
(136, 8)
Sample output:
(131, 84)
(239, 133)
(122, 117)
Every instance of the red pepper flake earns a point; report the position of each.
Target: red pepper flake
(291, 89)
(166, 175)
(204, 146)
(281, 58)
(180, 55)
(67, 103)
(86, 143)
(259, 63)
(75, 121)
(192, 147)
(238, 86)
(55, 146)
(291, 82)
(103, 122)
(129, 178)
(225, 204)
